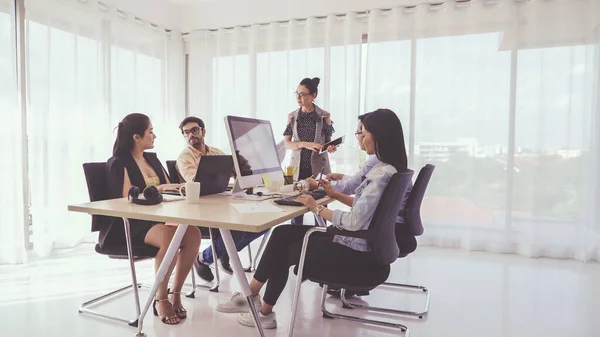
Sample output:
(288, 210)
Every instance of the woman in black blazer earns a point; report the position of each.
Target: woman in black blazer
(131, 166)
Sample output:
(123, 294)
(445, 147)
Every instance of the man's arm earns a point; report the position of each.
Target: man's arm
(187, 167)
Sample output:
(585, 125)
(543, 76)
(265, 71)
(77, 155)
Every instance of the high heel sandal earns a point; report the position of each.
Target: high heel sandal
(168, 319)
(181, 313)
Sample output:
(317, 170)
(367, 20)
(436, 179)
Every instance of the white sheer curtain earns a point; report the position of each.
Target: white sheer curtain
(255, 71)
(146, 75)
(12, 214)
(503, 97)
(86, 70)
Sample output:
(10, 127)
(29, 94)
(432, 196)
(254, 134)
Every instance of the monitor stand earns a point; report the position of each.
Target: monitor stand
(239, 193)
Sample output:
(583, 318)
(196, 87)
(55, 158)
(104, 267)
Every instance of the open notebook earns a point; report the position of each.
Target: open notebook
(171, 197)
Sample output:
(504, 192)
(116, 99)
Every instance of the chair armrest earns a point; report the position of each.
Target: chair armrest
(362, 234)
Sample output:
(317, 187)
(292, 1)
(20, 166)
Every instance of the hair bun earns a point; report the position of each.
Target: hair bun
(316, 81)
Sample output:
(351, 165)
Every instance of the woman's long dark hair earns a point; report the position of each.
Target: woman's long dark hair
(132, 124)
(387, 133)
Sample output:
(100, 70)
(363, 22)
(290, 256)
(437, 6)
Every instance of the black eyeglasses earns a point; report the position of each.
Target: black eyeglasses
(301, 94)
(195, 130)
(357, 134)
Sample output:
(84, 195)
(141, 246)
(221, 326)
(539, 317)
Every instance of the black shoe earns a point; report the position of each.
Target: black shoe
(225, 264)
(203, 270)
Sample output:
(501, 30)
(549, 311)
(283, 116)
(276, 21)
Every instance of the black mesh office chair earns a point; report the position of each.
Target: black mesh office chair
(412, 218)
(173, 173)
(95, 176)
(382, 240)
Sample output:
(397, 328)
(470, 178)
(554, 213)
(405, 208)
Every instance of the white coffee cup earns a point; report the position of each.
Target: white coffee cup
(192, 192)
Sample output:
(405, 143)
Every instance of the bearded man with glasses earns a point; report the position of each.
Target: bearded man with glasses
(194, 131)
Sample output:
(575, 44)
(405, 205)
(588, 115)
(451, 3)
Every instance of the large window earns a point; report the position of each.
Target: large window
(8, 87)
(81, 83)
(555, 93)
(461, 116)
(66, 125)
(461, 126)
(13, 223)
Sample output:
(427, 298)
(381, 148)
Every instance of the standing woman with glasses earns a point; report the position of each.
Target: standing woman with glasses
(307, 130)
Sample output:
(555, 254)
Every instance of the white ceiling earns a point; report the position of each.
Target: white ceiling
(187, 15)
(256, 2)
(202, 14)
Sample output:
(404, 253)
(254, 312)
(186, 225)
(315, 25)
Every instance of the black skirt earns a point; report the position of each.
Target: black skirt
(115, 236)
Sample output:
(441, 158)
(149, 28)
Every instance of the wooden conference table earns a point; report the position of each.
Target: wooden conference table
(215, 211)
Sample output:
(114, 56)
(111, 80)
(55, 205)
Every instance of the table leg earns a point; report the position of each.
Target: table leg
(162, 273)
(238, 272)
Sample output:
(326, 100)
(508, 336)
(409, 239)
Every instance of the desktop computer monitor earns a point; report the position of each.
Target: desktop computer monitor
(254, 152)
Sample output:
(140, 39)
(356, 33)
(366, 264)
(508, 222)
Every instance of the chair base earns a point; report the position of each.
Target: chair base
(214, 287)
(419, 314)
(329, 314)
(85, 307)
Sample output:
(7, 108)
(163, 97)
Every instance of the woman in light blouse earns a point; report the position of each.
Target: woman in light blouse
(383, 137)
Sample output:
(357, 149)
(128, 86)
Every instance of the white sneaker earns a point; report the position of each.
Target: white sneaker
(238, 304)
(268, 322)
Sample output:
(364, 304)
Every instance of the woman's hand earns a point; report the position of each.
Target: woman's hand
(314, 147)
(169, 187)
(313, 184)
(331, 148)
(328, 188)
(335, 176)
(308, 201)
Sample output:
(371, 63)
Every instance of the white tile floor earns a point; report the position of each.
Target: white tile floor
(473, 294)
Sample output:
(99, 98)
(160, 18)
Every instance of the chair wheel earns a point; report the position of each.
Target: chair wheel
(327, 316)
(214, 290)
(421, 317)
(191, 295)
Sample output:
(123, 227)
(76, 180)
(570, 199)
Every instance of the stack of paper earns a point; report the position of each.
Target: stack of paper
(257, 207)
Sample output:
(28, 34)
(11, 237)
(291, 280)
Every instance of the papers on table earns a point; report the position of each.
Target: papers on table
(257, 207)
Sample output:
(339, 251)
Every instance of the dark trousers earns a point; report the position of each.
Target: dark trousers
(283, 251)
(241, 240)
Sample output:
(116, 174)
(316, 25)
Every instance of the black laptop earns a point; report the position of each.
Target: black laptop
(213, 174)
